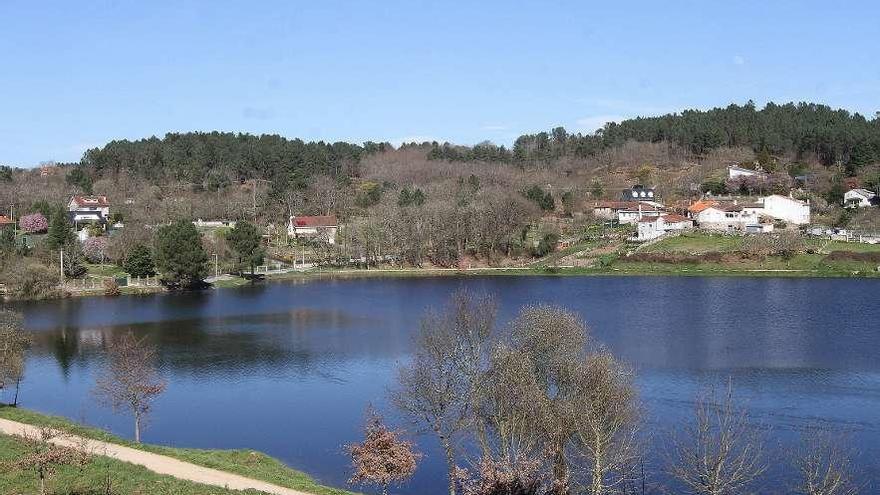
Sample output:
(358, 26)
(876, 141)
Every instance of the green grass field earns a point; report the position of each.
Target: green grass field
(92, 479)
(697, 243)
(248, 463)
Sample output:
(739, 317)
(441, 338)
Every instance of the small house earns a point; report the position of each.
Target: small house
(88, 209)
(860, 198)
(653, 227)
(321, 228)
(735, 171)
(6, 222)
(724, 216)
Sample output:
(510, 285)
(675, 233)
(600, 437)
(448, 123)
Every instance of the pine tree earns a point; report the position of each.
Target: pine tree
(59, 230)
(180, 257)
(139, 262)
(245, 241)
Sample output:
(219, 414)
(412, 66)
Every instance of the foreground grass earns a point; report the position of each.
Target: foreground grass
(247, 463)
(92, 479)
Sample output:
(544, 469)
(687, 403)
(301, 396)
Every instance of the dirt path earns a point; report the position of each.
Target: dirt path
(154, 462)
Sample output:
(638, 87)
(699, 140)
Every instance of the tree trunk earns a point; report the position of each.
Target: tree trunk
(450, 463)
(17, 385)
(137, 427)
(42, 483)
(385, 488)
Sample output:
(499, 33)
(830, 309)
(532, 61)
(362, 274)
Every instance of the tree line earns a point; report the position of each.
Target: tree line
(805, 130)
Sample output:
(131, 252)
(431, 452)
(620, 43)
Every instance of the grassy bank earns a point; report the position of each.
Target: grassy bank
(247, 463)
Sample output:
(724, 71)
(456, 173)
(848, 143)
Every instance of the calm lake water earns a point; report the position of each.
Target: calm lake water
(289, 368)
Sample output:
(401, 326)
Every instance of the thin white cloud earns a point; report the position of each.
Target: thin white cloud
(738, 60)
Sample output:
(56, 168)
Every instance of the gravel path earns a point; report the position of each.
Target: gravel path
(154, 462)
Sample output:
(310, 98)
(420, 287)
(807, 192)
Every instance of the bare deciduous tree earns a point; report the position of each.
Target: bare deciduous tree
(606, 419)
(824, 466)
(44, 456)
(721, 453)
(129, 379)
(13, 344)
(438, 387)
(383, 458)
(555, 341)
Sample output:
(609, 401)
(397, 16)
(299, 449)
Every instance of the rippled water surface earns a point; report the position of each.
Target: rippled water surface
(289, 368)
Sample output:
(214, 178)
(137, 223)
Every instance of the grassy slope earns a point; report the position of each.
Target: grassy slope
(802, 264)
(69, 480)
(244, 462)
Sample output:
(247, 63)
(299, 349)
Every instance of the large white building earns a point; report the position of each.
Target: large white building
(787, 209)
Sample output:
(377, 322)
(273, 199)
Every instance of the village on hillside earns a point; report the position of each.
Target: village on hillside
(628, 225)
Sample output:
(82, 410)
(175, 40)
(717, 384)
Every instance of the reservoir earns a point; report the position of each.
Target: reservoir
(289, 368)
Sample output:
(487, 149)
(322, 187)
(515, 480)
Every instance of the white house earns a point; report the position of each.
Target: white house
(859, 198)
(734, 171)
(639, 211)
(625, 211)
(787, 209)
(654, 227)
(322, 228)
(88, 209)
(725, 216)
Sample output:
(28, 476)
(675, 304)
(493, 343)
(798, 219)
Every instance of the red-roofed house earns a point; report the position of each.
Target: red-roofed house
(725, 216)
(6, 222)
(88, 209)
(323, 227)
(654, 227)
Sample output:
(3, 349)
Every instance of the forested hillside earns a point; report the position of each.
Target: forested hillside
(217, 159)
(804, 131)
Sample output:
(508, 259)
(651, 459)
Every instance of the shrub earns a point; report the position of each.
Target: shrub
(33, 223)
(139, 262)
(95, 249)
(31, 281)
(111, 288)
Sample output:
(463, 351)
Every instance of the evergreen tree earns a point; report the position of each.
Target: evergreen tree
(180, 257)
(78, 177)
(139, 262)
(245, 239)
(60, 233)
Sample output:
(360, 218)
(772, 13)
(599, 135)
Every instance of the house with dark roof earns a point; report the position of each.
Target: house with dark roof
(321, 228)
(639, 192)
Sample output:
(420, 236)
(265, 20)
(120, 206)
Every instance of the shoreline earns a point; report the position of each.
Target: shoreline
(567, 271)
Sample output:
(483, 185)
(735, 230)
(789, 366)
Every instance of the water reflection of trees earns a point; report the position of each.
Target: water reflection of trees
(301, 342)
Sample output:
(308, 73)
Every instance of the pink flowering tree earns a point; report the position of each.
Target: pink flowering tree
(33, 223)
(95, 249)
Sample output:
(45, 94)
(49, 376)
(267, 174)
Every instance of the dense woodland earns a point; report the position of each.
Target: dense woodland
(447, 205)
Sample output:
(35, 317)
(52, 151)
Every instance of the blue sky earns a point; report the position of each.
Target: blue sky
(74, 76)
